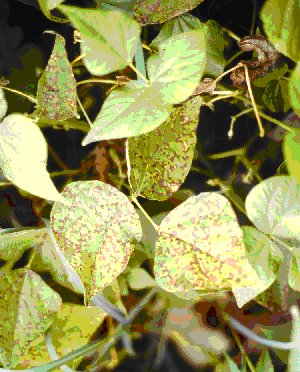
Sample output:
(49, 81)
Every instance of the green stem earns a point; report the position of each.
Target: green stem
(100, 81)
(134, 199)
(64, 173)
(138, 73)
(30, 98)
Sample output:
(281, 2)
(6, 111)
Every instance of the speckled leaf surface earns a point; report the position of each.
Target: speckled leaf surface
(14, 244)
(178, 66)
(200, 247)
(56, 93)
(129, 111)
(23, 156)
(109, 37)
(27, 307)
(160, 160)
(97, 232)
(274, 206)
(159, 11)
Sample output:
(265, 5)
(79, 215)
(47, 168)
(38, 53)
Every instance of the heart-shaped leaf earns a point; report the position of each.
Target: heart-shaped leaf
(160, 160)
(129, 111)
(23, 157)
(97, 232)
(56, 93)
(27, 307)
(274, 206)
(109, 37)
(200, 247)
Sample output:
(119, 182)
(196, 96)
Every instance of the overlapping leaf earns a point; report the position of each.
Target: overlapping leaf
(72, 328)
(295, 89)
(23, 156)
(159, 11)
(97, 232)
(27, 307)
(56, 93)
(274, 207)
(3, 104)
(200, 247)
(281, 23)
(160, 160)
(291, 150)
(109, 37)
(176, 69)
(127, 112)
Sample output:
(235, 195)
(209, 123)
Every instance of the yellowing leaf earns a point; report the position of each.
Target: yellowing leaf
(71, 328)
(291, 149)
(3, 104)
(97, 232)
(56, 93)
(160, 160)
(140, 279)
(200, 247)
(109, 37)
(23, 157)
(27, 307)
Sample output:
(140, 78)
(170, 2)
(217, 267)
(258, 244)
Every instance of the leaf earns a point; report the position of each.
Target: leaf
(109, 38)
(294, 357)
(23, 157)
(125, 5)
(294, 270)
(291, 150)
(140, 279)
(281, 23)
(295, 89)
(274, 206)
(47, 5)
(276, 96)
(28, 305)
(129, 111)
(14, 244)
(264, 363)
(160, 160)
(49, 257)
(215, 61)
(228, 365)
(56, 93)
(264, 256)
(159, 11)
(176, 69)
(96, 232)
(3, 104)
(200, 247)
(71, 328)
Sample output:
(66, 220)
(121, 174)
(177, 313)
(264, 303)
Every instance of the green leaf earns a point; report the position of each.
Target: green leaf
(71, 329)
(125, 5)
(56, 93)
(215, 61)
(264, 363)
(291, 150)
(3, 104)
(140, 279)
(160, 160)
(176, 69)
(14, 244)
(295, 89)
(109, 38)
(97, 232)
(200, 247)
(275, 74)
(159, 11)
(228, 365)
(23, 157)
(129, 111)
(264, 256)
(49, 257)
(274, 206)
(276, 96)
(294, 270)
(47, 5)
(27, 307)
(281, 23)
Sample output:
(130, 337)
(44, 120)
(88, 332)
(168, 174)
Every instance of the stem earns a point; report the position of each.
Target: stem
(30, 98)
(100, 81)
(65, 172)
(138, 73)
(134, 199)
(245, 355)
(234, 119)
(227, 154)
(57, 160)
(84, 112)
